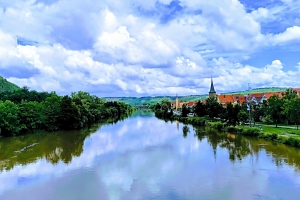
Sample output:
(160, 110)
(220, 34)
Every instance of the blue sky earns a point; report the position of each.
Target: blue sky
(148, 48)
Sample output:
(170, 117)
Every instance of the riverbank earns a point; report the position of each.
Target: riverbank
(288, 139)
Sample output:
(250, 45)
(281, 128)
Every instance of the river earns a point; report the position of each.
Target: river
(142, 157)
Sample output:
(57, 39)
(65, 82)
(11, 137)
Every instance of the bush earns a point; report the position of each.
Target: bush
(268, 120)
(293, 141)
(196, 121)
(251, 132)
(233, 129)
(269, 136)
(216, 125)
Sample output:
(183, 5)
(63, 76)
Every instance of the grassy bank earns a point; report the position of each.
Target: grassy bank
(282, 135)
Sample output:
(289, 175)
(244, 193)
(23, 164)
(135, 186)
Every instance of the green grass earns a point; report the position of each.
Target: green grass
(260, 90)
(263, 123)
(281, 131)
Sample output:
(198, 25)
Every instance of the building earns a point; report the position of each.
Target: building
(212, 92)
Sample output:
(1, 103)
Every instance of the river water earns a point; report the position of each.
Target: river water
(142, 157)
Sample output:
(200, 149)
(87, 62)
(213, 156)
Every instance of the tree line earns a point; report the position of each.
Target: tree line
(23, 111)
(275, 110)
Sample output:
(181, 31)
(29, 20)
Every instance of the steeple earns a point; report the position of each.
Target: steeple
(176, 103)
(212, 91)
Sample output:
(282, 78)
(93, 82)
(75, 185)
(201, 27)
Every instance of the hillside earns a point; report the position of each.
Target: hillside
(153, 100)
(7, 86)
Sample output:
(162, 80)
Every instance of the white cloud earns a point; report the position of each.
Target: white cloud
(124, 47)
(292, 34)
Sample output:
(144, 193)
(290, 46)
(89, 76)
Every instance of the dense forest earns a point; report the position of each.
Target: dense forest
(23, 111)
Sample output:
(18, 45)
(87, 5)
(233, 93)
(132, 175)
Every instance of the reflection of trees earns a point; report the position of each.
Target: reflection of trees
(239, 146)
(236, 145)
(185, 130)
(54, 147)
(280, 153)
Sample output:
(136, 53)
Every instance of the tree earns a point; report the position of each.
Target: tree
(185, 110)
(31, 116)
(231, 114)
(243, 117)
(200, 109)
(9, 119)
(165, 105)
(289, 94)
(275, 108)
(70, 116)
(213, 107)
(292, 110)
(52, 112)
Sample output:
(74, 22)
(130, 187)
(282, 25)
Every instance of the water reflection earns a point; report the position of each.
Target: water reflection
(145, 158)
(54, 147)
(239, 146)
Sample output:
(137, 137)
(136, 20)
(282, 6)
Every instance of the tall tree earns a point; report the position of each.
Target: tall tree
(275, 105)
(213, 107)
(292, 110)
(200, 109)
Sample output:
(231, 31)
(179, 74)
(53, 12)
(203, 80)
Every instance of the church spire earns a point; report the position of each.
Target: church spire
(212, 88)
(212, 91)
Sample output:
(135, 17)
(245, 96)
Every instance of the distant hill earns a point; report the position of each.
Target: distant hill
(153, 100)
(260, 90)
(7, 86)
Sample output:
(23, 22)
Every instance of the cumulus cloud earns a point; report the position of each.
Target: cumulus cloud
(292, 34)
(117, 48)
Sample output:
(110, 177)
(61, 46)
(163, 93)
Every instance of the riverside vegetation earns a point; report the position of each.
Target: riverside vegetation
(232, 118)
(23, 111)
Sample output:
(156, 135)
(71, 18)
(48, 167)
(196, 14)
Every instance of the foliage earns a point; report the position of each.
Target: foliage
(251, 131)
(6, 86)
(275, 108)
(25, 111)
(213, 107)
(268, 120)
(185, 111)
(200, 109)
(216, 125)
(231, 114)
(242, 117)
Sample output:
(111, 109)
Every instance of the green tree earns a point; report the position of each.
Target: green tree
(52, 112)
(70, 116)
(292, 110)
(231, 114)
(185, 110)
(31, 116)
(9, 119)
(213, 107)
(200, 109)
(275, 105)
(243, 117)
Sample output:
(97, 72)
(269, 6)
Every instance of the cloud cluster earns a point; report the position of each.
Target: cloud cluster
(136, 48)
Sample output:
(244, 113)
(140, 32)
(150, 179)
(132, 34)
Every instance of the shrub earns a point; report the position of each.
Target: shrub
(231, 129)
(251, 132)
(293, 141)
(268, 120)
(216, 125)
(269, 136)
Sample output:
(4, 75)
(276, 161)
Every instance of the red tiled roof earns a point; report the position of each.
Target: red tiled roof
(257, 95)
(269, 94)
(224, 99)
(242, 99)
